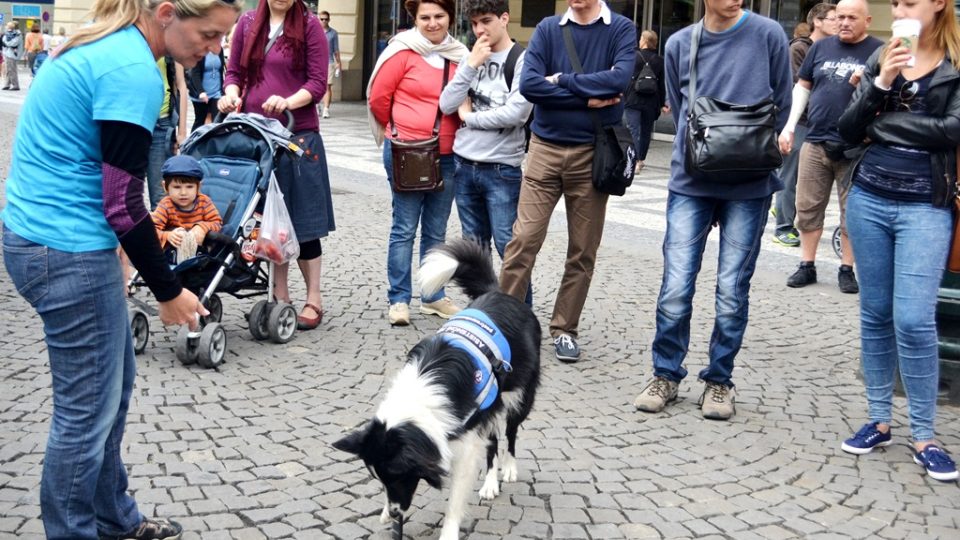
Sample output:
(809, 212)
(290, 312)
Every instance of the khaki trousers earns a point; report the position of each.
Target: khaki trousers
(552, 171)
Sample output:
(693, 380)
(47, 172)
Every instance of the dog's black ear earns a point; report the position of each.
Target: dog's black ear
(433, 476)
(354, 442)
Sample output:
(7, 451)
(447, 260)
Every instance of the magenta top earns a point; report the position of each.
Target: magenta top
(279, 77)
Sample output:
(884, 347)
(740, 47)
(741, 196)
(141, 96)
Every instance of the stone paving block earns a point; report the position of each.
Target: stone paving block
(276, 530)
(223, 521)
(347, 531)
(531, 529)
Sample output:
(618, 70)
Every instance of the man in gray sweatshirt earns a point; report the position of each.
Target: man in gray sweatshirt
(743, 58)
(490, 143)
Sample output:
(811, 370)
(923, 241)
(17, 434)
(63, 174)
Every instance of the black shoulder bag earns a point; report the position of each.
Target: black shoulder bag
(728, 143)
(416, 163)
(614, 156)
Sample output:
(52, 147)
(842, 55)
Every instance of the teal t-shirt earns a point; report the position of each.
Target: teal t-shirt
(54, 191)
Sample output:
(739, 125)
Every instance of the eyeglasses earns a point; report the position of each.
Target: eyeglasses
(831, 19)
(324, 19)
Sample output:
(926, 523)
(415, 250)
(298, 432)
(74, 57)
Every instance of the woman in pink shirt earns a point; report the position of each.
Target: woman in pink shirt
(405, 90)
(278, 62)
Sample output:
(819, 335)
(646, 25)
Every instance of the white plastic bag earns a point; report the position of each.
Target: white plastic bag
(277, 241)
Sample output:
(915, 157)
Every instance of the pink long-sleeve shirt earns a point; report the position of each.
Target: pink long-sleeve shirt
(279, 77)
(412, 86)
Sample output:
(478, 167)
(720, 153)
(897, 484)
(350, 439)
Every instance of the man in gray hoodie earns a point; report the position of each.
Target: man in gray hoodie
(489, 145)
(12, 51)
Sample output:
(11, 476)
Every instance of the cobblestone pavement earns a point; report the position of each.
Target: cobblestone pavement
(244, 452)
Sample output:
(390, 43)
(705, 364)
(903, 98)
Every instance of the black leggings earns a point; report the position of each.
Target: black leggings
(200, 110)
(310, 250)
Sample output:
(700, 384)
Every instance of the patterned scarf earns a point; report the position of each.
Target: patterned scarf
(294, 30)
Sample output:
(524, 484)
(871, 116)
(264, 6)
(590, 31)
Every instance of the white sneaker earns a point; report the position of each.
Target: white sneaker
(399, 314)
(326, 112)
(443, 308)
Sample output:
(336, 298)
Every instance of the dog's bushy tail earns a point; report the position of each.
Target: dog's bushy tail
(462, 261)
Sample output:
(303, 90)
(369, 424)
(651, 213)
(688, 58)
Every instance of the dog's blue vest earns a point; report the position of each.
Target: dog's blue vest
(472, 331)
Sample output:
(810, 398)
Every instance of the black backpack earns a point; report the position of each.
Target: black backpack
(509, 67)
(646, 81)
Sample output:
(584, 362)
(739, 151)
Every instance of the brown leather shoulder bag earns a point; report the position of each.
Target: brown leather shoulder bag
(416, 163)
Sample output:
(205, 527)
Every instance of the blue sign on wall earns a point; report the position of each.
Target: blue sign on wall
(26, 11)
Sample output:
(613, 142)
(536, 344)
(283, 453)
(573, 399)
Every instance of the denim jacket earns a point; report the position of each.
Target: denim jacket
(937, 132)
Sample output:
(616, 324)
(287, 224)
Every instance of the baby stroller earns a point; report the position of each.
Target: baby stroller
(238, 156)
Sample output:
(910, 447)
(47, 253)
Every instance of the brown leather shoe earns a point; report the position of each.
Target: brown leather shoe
(309, 323)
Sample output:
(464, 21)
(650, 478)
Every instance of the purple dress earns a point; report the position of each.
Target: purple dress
(279, 77)
(304, 182)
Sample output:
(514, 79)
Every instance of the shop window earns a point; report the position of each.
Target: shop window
(534, 11)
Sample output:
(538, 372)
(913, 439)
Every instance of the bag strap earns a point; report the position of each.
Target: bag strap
(273, 39)
(578, 67)
(510, 64)
(694, 48)
(436, 123)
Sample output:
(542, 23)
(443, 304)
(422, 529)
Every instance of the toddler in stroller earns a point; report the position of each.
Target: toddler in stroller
(185, 215)
(236, 159)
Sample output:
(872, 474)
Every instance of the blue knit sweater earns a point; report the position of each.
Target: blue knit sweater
(745, 64)
(560, 110)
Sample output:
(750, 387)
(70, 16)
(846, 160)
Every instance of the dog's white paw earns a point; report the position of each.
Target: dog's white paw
(509, 468)
(491, 487)
(385, 515)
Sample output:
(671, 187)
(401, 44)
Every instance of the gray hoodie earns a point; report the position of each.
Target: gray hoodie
(493, 132)
(12, 44)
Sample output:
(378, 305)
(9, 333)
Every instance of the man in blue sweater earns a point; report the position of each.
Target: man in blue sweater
(561, 151)
(743, 58)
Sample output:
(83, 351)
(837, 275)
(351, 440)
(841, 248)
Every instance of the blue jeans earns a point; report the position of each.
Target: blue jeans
(80, 298)
(487, 196)
(161, 149)
(903, 249)
(689, 220)
(640, 123)
(786, 202)
(431, 211)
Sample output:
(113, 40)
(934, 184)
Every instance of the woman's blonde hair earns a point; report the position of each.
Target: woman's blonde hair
(650, 39)
(946, 34)
(109, 16)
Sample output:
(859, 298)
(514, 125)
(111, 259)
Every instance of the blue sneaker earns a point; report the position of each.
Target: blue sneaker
(937, 463)
(865, 440)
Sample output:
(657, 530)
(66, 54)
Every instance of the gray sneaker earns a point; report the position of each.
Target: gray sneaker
(716, 402)
(656, 395)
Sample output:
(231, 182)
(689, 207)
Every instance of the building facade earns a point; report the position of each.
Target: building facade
(28, 14)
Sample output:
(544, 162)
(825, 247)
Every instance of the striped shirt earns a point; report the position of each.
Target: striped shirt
(167, 217)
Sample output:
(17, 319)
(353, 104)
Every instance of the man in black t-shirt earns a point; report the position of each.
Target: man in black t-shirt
(827, 79)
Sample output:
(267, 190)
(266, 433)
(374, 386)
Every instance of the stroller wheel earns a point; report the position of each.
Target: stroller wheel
(282, 323)
(257, 320)
(837, 246)
(185, 347)
(215, 307)
(140, 328)
(212, 346)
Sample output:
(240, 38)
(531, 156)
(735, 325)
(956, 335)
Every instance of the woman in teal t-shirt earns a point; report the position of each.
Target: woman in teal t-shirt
(75, 189)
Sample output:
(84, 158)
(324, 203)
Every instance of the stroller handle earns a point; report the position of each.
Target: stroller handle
(289, 116)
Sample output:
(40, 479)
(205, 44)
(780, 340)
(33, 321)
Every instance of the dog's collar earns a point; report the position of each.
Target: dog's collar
(473, 331)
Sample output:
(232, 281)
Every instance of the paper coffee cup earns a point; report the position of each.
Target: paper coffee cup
(908, 30)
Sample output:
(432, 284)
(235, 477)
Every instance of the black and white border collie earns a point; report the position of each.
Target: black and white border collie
(445, 404)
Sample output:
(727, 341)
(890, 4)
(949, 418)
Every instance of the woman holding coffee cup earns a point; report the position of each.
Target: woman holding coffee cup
(907, 110)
